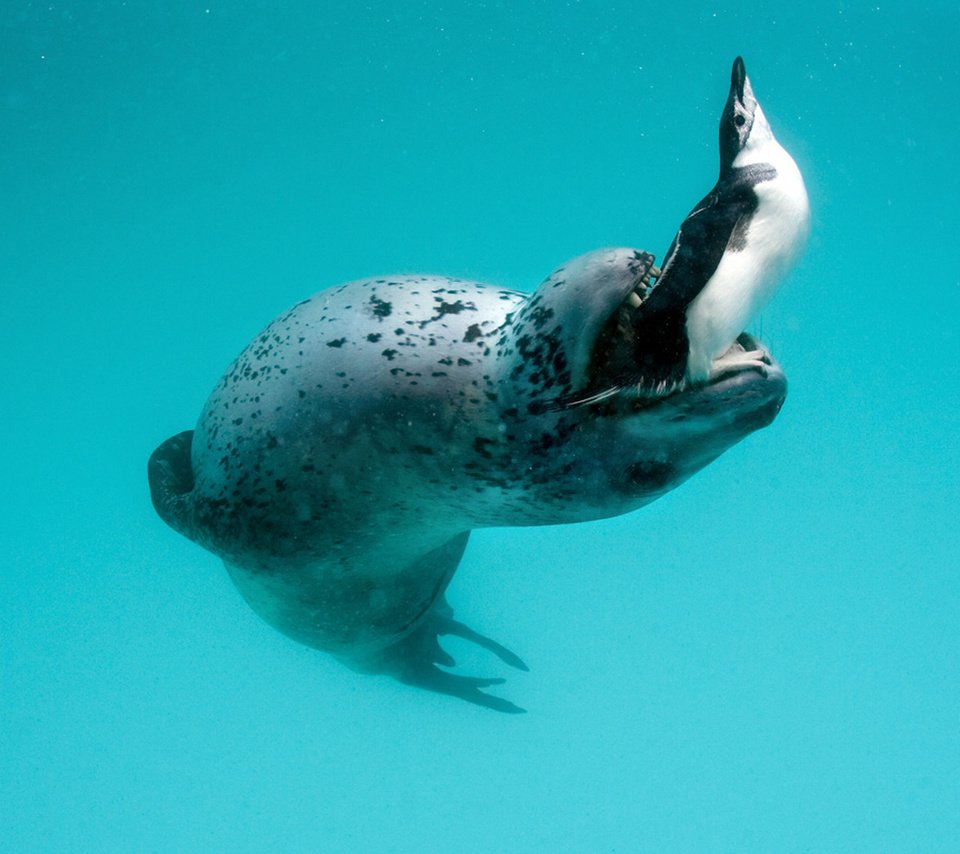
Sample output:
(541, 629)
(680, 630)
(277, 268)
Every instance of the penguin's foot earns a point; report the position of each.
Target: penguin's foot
(414, 661)
(743, 355)
(734, 362)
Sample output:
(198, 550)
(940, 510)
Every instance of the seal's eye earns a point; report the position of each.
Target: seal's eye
(739, 121)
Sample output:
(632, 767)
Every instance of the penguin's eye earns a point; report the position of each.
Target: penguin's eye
(739, 121)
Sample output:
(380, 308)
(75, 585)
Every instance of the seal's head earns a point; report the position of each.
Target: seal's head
(617, 446)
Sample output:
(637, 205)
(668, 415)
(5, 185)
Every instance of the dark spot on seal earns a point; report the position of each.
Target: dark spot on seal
(481, 446)
(337, 342)
(374, 337)
(389, 353)
(547, 441)
(451, 307)
(540, 316)
(381, 308)
(653, 475)
(473, 333)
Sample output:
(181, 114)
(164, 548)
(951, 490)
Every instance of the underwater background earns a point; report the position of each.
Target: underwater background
(768, 659)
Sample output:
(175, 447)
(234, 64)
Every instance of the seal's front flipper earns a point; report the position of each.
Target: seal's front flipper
(414, 661)
(455, 627)
(466, 688)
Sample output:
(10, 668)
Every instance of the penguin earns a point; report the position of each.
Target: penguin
(726, 261)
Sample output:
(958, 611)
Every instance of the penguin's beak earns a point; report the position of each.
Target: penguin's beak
(740, 89)
(738, 79)
(736, 123)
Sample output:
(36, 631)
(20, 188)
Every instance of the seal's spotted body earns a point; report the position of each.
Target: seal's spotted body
(409, 336)
(343, 458)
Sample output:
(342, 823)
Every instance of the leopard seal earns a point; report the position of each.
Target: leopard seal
(341, 462)
(343, 458)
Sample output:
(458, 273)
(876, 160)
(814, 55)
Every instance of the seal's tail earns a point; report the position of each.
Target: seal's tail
(171, 482)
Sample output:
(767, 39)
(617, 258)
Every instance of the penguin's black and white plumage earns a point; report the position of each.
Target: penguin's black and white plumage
(728, 257)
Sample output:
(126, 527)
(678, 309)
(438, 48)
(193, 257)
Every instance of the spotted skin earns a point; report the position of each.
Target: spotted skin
(341, 461)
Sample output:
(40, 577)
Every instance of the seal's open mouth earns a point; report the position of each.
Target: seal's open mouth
(745, 377)
(630, 368)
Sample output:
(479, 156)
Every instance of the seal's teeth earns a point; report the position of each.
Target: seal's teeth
(647, 279)
(634, 299)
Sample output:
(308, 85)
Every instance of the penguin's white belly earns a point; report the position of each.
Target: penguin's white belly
(746, 278)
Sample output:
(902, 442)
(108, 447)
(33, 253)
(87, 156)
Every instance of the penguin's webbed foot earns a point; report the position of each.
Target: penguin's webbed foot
(739, 358)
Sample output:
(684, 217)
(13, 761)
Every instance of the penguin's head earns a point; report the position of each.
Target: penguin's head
(744, 130)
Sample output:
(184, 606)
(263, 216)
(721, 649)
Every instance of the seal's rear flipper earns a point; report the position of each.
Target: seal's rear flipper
(170, 474)
(466, 688)
(414, 661)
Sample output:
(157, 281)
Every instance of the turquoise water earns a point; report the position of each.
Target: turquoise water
(768, 659)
